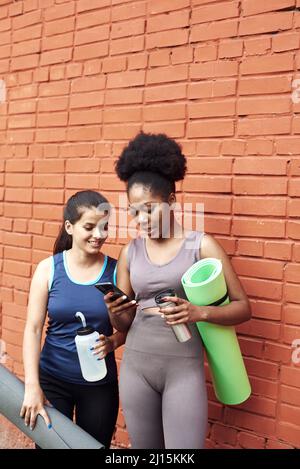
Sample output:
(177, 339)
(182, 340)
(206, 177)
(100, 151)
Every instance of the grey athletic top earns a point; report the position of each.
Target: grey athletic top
(148, 332)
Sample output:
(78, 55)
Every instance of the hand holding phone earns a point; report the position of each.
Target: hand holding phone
(121, 310)
(115, 304)
(107, 287)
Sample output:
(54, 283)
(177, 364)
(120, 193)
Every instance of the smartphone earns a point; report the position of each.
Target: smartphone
(107, 287)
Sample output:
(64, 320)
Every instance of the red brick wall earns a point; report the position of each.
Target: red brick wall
(84, 76)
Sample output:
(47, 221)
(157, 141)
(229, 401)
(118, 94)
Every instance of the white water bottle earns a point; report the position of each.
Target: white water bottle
(92, 368)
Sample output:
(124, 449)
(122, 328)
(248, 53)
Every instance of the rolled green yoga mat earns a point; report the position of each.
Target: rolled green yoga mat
(204, 284)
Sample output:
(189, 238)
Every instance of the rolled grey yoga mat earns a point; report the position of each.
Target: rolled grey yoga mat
(64, 434)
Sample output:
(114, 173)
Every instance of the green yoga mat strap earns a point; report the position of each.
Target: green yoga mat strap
(204, 285)
(220, 301)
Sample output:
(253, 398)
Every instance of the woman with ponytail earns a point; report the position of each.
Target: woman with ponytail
(62, 285)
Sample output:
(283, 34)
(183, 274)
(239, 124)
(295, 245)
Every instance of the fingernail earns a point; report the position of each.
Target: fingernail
(49, 426)
(133, 302)
(123, 297)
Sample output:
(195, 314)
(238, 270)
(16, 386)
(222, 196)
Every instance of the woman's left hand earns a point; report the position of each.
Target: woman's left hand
(103, 346)
(182, 312)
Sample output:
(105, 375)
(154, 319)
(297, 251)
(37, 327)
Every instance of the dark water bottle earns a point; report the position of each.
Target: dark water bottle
(181, 331)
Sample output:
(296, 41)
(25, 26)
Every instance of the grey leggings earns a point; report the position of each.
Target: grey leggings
(164, 400)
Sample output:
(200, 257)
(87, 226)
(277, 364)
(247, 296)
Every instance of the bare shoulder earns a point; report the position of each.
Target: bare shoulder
(43, 270)
(39, 293)
(123, 274)
(210, 247)
(45, 264)
(124, 254)
(124, 250)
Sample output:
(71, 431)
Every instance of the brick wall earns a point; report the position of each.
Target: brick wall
(84, 76)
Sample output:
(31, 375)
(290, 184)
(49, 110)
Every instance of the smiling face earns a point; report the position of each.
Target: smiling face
(150, 212)
(90, 231)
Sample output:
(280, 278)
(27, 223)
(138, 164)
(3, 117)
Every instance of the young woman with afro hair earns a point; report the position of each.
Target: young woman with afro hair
(162, 381)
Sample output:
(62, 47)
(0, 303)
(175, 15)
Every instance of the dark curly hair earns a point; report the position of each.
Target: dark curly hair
(153, 160)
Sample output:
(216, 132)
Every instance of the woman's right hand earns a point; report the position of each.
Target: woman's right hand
(118, 306)
(33, 405)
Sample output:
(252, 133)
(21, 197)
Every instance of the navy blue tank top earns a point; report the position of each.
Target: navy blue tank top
(67, 296)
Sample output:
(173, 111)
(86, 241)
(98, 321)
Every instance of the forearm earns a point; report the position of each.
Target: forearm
(232, 314)
(31, 356)
(118, 339)
(121, 321)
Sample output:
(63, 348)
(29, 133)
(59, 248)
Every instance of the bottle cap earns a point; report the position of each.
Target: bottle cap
(85, 330)
(159, 297)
